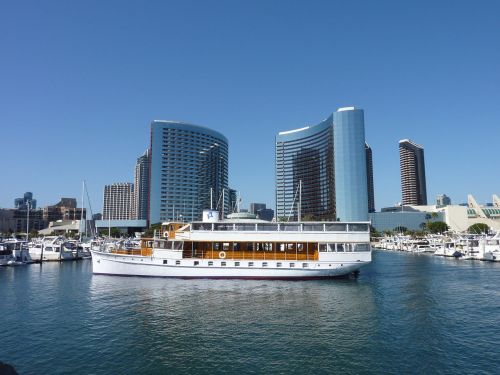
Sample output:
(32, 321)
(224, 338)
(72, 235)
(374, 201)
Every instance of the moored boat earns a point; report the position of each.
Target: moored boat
(244, 249)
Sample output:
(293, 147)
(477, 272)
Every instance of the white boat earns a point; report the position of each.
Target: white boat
(247, 250)
(13, 252)
(490, 248)
(448, 249)
(51, 248)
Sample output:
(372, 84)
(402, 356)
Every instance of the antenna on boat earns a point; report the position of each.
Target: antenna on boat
(211, 199)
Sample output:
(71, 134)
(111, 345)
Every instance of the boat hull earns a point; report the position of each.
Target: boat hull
(129, 265)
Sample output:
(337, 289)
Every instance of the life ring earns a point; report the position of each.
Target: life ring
(222, 254)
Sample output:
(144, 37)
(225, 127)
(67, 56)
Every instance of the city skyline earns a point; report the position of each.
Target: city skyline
(81, 83)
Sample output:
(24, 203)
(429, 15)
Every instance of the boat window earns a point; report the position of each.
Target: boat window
(223, 264)
(202, 226)
(48, 248)
(177, 262)
(225, 246)
(331, 247)
(237, 264)
(340, 247)
(322, 247)
(292, 265)
(290, 227)
(246, 227)
(312, 227)
(165, 261)
(305, 265)
(267, 227)
(362, 247)
(210, 263)
(196, 263)
(250, 264)
(264, 264)
(249, 246)
(358, 227)
(278, 264)
(335, 227)
(220, 226)
(177, 245)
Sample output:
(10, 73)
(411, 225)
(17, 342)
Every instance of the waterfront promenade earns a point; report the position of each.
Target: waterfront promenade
(405, 313)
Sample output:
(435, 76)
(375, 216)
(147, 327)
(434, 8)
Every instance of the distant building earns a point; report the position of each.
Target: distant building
(233, 201)
(369, 178)
(265, 214)
(254, 207)
(13, 220)
(141, 186)
(65, 209)
(458, 217)
(25, 201)
(118, 200)
(189, 165)
(443, 200)
(412, 167)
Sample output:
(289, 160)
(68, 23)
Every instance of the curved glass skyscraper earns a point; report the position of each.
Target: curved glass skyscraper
(305, 155)
(351, 184)
(329, 159)
(187, 163)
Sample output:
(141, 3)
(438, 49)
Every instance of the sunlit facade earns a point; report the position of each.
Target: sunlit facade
(188, 163)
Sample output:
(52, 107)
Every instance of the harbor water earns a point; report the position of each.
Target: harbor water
(404, 313)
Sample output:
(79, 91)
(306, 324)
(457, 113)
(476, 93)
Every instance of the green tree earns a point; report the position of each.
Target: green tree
(437, 227)
(478, 228)
(150, 232)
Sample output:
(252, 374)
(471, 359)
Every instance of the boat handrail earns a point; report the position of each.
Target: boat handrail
(282, 227)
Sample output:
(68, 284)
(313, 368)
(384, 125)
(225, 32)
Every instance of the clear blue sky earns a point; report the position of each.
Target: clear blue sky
(81, 81)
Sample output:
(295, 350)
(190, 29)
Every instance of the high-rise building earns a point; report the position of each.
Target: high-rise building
(351, 186)
(141, 187)
(412, 166)
(325, 168)
(118, 201)
(304, 161)
(443, 200)
(189, 171)
(369, 178)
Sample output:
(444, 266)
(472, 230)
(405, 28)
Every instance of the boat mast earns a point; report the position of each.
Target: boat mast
(81, 212)
(222, 211)
(300, 201)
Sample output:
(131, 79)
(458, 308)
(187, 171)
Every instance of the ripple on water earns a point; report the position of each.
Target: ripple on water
(404, 314)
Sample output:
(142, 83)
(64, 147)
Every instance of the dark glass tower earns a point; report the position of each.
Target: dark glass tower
(412, 166)
(141, 184)
(369, 178)
(306, 155)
